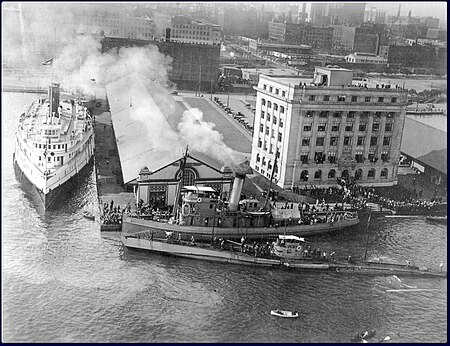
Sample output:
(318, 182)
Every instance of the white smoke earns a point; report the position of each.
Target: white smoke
(202, 137)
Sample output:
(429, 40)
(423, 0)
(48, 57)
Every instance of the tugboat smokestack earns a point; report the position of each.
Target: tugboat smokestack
(236, 191)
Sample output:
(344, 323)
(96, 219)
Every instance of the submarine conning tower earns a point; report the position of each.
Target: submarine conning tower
(240, 171)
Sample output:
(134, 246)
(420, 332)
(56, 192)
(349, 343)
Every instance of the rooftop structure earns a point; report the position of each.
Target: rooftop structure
(185, 29)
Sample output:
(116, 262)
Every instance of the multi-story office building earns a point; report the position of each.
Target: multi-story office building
(187, 30)
(327, 128)
(314, 36)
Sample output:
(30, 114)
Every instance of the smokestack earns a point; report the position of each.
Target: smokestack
(167, 34)
(377, 47)
(54, 99)
(236, 192)
(239, 175)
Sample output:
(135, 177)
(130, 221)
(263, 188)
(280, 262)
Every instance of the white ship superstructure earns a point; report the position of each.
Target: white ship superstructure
(54, 142)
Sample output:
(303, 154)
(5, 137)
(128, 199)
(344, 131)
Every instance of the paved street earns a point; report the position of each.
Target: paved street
(235, 135)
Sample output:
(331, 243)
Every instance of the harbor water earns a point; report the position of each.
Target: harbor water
(64, 281)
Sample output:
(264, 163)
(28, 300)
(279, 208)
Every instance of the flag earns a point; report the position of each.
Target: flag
(48, 62)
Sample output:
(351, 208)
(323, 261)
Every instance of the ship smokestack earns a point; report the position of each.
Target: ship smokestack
(239, 173)
(167, 34)
(54, 99)
(236, 192)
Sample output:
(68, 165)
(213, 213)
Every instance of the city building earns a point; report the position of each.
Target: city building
(192, 63)
(306, 34)
(374, 15)
(252, 74)
(337, 13)
(343, 36)
(241, 20)
(326, 128)
(437, 34)
(320, 13)
(257, 46)
(418, 56)
(185, 29)
(365, 58)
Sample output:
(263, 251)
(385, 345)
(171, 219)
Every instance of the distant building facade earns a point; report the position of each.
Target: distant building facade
(314, 36)
(187, 30)
(191, 62)
(365, 58)
(425, 56)
(327, 130)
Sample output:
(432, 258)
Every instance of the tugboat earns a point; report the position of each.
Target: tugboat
(54, 142)
(203, 215)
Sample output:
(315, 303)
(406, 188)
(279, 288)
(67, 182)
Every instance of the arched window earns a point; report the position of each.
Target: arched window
(269, 104)
(384, 173)
(281, 109)
(371, 173)
(344, 174)
(304, 175)
(263, 102)
(331, 174)
(188, 177)
(358, 174)
(258, 158)
(318, 174)
(275, 107)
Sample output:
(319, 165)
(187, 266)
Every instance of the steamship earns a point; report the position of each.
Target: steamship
(204, 216)
(54, 142)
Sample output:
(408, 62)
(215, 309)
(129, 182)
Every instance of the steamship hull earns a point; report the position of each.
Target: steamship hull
(132, 225)
(54, 145)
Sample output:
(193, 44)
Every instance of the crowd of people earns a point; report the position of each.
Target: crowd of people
(113, 214)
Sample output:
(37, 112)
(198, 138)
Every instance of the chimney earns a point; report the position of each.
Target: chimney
(377, 47)
(167, 34)
(54, 99)
(239, 175)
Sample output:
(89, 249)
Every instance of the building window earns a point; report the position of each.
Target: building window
(269, 104)
(267, 130)
(275, 107)
(283, 93)
(309, 114)
(384, 156)
(335, 127)
(261, 128)
(341, 98)
(318, 175)
(381, 99)
(263, 114)
(323, 114)
(384, 173)
(347, 140)
(362, 127)
(326, 97)
(358, 174)
(351, 114)
(345, 174)
(304, 157)
(371, 173)
(321, 127)
(367, 99)
(394, 100)
(388, 127)
(274, 120)
(319, 157)
(332, 174)
(386, 140)
(349, 127)
(304, 175)
(390, 115)
(333, 141)
(332, 157)
(312, 97)
(281, 109)
(258, 158)
(279, 137)
(375, 127)
(307, 128)
(263, 102)
(373, 141)
(360, 140)
(268, 117)
(354, 98)
(265, 86)
(320, 141)
(337, 114)
(188, 177)
(281, 122)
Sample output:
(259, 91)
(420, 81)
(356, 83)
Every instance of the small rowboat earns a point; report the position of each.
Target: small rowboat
(363, 336)
(284, 313)
(88, 215)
